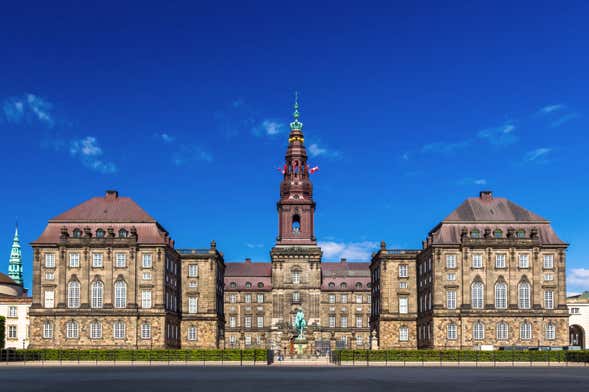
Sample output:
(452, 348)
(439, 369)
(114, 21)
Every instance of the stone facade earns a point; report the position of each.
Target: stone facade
(579, 319)
(15, 310)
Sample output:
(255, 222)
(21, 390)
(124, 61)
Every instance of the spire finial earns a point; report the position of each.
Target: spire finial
(296, 124)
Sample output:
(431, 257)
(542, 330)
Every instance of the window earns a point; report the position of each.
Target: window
(477, 261)
(524, 295)
(548, 277)
(260, 322)
(550, 331)
(248, 298)
(358, 321)
(358, 299)
(248, 340)
(575, 310)
(120, 294)
(451, 299)
(146, 331)
(49, 275)
(296, 297)
(502, 331)
(232, 340)
(146, 299)
(331, 321)
(478, 331)
(120, 260)
(77, 233)
(524, 261)
(358, 285)
(12, 311)
(74, 260)
(260, 298)
(403, 305)
(49, 299)
(95, 330)
(50, 260)
(450, 261)
(403, 334)
(549, 299)
(344, 298)
(260, 285)
(147, 276)
(525, 331)
(359, 341)
(475, 234)
(296, 276)
(498, 233)
(118, 330)
(549, 261)
(97, 260)
(233, 298)
(331, 298)
(193, 270)
(500, 261)
(72, 330)
(97, 292)
(73, 294)
(501, 295)
(248, 322)
(47, 330)
(192, 304)
(331, 285)
(403, 285)
(99, 233)
(477, 295)
(233, 285)
(451, 331)
(123, 233)
(232, 322)
(147, 260)
(403, 271)
(451, 277)
(520, 234)
(192, 335)
(11, 332)
(344, 321)
(343, 286)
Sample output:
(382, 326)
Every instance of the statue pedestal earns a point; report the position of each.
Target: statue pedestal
(301, 346)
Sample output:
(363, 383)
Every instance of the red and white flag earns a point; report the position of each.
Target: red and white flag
(313, 169)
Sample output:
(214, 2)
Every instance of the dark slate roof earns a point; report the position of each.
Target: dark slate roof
(345, 269)
(498, 209)
(248, 268)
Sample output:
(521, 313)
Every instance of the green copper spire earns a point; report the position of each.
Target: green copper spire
(15, 263)
(296, 124)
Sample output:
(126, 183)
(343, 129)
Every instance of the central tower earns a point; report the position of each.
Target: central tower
(296, 208)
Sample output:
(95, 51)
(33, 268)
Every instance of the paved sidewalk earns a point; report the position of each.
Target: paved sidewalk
(128, 363)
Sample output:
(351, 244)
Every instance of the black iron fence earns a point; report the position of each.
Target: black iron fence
(416, 357)
(194, 357)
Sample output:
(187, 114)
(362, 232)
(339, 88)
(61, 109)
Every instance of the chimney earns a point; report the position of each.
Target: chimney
(248, 260)
(343, 260)
(111, 195)
(486, 195)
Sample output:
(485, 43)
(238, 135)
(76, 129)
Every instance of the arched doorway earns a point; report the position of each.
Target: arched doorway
(577, 336)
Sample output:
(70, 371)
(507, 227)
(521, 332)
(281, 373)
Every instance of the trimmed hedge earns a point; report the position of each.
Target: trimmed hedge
(2, 331)
(459, 355)
(248, 355)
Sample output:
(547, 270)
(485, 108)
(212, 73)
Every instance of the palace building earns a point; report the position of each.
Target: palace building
(107, 274)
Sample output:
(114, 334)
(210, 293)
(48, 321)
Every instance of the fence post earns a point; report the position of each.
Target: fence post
(240, 357)
(476, 359)
(440, 358)
(222, 356)
(367, 358)
(203, 358)
(168, 351)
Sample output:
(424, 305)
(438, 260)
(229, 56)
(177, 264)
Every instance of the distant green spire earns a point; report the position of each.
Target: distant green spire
(296, 124)
(15, 263)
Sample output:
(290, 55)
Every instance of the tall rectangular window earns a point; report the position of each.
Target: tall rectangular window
(344, 321)
(147, 260)
(403, 305)
(524, 261)
(232, 322)
(97, 260)
(451, 332)
(358, 299)
(344, 298)
(331, 298)
(549, 261)
(74, 260)
(248, 298)
(192, 334)
(549, 299)
(358, 321)
(450, 261)
(49, 260)
(248, 322)
(146, 299)
(403, 271)
(192, 304)
(260, 298)
(49, 299)
(260, 321)
(451, 299)
(296, 276)
(12, 311)
(477, 260)
(193, 270)
(11, 332)
(120, 260)
(145, 331)
(403, 334)
(233, 298)
(500, 261)
(331, 321)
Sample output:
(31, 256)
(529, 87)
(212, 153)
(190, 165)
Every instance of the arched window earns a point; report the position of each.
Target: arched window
(502, 331)
(260, 285)
(343, 285)
(520, 234)
(475, 233)
(525, 331)
(95, 330)
(233, 285)
(248, 285)
(358, 285)
(72, 330)
(296, 276)
(451, 331)
(99, 233)
(123, 233)
(331, 285)
(97, 294)
(77, 233)
(478, 331)
(73, 294)
(501, 295)
(120, 294)
(118, 330)
(550, 331)
(47, 330)
(524, 295)
(477, 295)
(498, 233)
(296, 224)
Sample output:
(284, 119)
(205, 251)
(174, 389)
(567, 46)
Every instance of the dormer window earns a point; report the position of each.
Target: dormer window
(99, 233)
(233, 285)
(260, 285)
(123, 233)
(475, 233)
(498, 233)
(77, 233)
(331, 285)
(343, 286)
(358, 286)
(248, 285)
(520, 234)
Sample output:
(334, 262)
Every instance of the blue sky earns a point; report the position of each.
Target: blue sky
(408, 108)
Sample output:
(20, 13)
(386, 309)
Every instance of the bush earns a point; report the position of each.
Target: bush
(459, 356)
